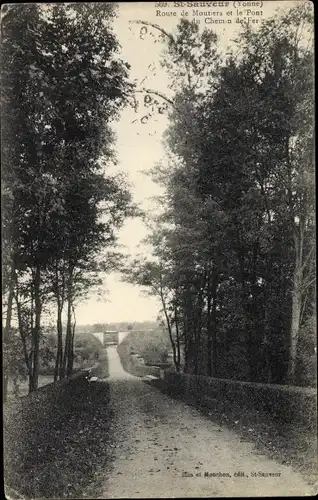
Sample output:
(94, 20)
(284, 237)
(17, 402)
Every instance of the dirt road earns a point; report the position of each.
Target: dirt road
(164, 448)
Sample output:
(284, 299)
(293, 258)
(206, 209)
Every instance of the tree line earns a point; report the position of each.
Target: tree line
(63, 83)
(234, 243)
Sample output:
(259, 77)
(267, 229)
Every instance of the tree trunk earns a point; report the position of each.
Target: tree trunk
(214, 338)
(249, 293)
(36, 330)
(71, 350)
(244, 295)
(10, 303)
(191, 337)
(178, 356)
(211, 327)
(186, 344)
(59, 293)
(5, 387)
(69, 335)
(168, 322)
(199, 367)
(68, 339)
(66, 349)
(267, 341)
(59, 353)
(7, 329)
(295, 325)
(190, 357)
(22, 336)
(208, 328)
(68, 353)
(32, 347)
(192, 344)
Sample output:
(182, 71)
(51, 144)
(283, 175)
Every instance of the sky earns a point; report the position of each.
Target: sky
(139, 146)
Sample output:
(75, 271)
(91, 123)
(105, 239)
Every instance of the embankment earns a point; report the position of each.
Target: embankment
(56, 438)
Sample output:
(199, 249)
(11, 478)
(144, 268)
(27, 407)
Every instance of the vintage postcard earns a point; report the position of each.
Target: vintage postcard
(158, 249)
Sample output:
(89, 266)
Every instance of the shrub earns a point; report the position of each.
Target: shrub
(284, 403)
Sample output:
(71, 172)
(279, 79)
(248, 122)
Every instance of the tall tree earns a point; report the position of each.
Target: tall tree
(238, 217)
(63, 83)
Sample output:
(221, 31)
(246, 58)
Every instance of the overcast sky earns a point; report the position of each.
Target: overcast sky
(139, 148)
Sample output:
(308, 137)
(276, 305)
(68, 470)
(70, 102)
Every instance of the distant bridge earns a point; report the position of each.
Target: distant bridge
(110, 337)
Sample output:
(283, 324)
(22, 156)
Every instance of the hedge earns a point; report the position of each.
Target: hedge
(286, 403)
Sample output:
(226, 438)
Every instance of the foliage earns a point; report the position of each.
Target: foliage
(13, 366)
(152, 345)
(233, 244)
(63, 83)
(87, 350)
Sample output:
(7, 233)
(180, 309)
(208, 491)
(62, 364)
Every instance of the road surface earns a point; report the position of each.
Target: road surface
(165, 448)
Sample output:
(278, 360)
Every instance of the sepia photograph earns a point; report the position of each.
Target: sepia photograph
(158, 250)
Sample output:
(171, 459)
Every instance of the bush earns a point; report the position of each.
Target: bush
(156, 352)
(284, 403)
(130, 364)
(152, 345)
(87, 349)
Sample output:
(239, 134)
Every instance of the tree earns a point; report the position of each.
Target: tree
(284, 74)
(62, 84)
(234, 243)
(14, 364)
(153, 276)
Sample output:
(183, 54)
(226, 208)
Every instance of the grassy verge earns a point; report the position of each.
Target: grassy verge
(56, 440)
(286, 443)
